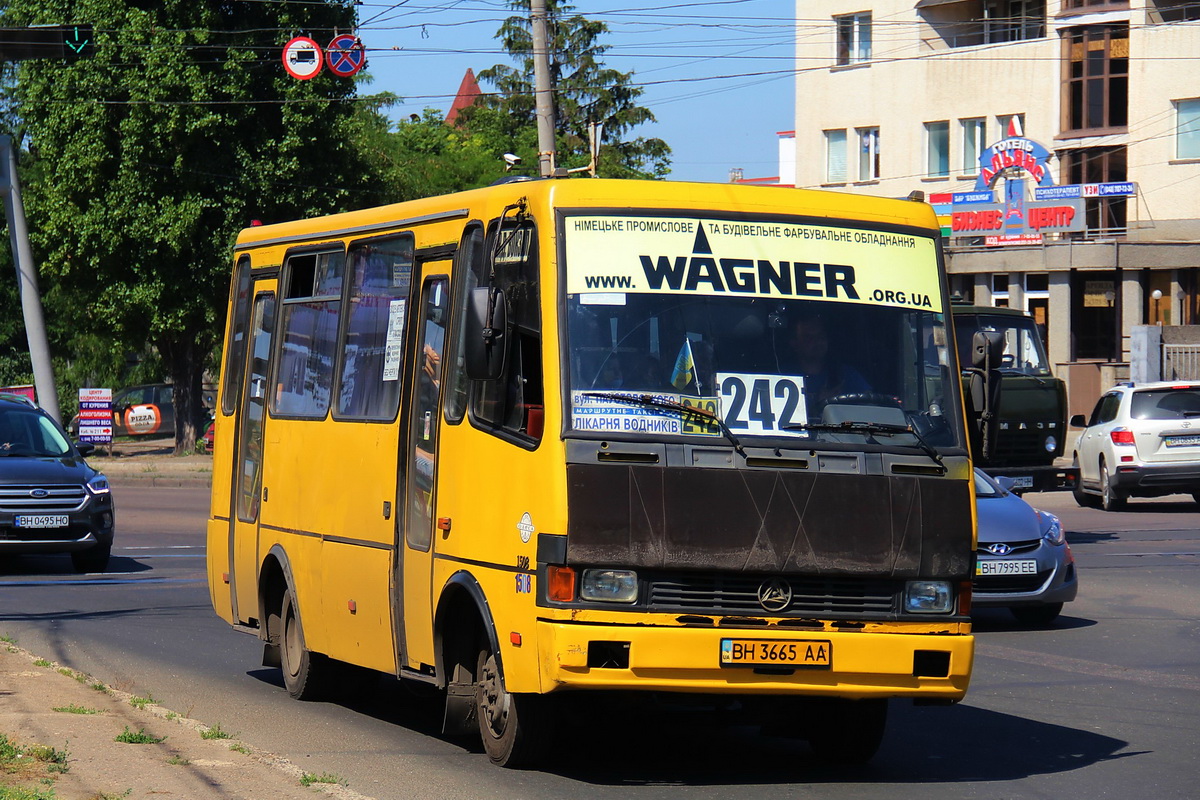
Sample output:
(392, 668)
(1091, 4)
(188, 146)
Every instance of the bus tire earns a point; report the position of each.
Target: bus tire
(515, 728)
(848, 731)
(305, 674)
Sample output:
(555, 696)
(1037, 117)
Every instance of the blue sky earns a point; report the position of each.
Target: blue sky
(717, 74)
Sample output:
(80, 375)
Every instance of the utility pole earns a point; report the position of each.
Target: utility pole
(542, 90)
(27, 285)
(68, 43)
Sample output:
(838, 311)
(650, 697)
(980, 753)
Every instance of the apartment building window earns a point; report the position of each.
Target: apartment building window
(1174, 10)
(868, 154)
(937, 149)
(853, 38)
(1010, 125)
(974, 142)
(1187, 128)
(1075, 4)
(1013, 20)
(835, 156)
(1098, 165)
(1000, 289)
(969, 23)
(1096, 79)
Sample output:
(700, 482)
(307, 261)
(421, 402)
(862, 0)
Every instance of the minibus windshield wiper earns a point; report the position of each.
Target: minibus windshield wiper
(870, 428)
(670, 405)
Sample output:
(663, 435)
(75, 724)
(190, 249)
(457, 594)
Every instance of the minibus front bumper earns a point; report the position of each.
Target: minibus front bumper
(861, 664)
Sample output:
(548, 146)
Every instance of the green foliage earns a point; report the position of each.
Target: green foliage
(309, 778)
(144, 162)
(140, 703)
(585, 90)
(74, 709)
(137, 737)
(215, 732)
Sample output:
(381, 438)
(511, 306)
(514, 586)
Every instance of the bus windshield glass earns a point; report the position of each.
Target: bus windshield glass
(783, 330)
(1023, 351)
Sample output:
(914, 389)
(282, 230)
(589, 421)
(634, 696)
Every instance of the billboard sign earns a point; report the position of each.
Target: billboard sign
(95, 416)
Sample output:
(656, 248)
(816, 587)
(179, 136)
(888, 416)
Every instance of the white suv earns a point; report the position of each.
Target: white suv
(1141, 440)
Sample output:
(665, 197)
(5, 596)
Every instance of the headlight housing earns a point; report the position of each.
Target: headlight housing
(1052, 529)
(609, 586)
(1051, 443)
(928, 597)
(99, 485)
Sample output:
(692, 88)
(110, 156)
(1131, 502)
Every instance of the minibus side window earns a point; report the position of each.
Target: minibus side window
(311, 305)
(511, 406)
(235, 356)
(373, 353)
(468, 266)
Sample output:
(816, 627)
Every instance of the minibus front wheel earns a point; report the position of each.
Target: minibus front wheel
(516, 728)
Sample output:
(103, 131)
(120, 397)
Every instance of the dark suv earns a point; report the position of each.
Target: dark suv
(51, 501)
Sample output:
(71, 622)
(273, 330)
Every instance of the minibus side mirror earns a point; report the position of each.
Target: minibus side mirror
(486, 335)
(987, 348)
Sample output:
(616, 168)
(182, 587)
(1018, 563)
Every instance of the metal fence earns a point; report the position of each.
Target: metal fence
(1181, 362)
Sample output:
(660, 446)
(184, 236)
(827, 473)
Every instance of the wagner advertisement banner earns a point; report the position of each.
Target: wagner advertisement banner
(611, 254)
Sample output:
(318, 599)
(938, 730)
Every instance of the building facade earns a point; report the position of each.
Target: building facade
(1060, 139)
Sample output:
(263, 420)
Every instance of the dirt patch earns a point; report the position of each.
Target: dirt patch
(69, 727)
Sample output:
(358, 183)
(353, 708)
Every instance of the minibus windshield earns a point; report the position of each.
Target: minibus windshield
(768, 344)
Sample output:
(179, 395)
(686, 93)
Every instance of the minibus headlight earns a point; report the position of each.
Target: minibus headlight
(609, 585)
(928, 597)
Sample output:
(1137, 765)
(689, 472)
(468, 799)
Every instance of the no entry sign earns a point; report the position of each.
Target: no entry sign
(302, 58)
(345, 55)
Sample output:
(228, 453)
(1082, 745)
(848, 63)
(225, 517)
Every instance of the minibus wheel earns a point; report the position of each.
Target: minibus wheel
(515, 728)
(305, 674)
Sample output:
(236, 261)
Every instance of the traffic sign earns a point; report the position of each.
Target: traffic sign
(69, 42)
(346, 55)
(302, 58)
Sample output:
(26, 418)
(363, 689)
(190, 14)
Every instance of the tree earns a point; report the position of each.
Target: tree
(144, 162)
(424, 156)
(584, 91)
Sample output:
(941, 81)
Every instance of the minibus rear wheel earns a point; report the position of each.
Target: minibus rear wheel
(516, 728)
(306, 675)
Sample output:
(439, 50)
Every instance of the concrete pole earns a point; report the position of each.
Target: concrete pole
(27, 286)
(542, 90)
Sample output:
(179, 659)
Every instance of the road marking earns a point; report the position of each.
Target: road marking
(1095, 669)
(101, 581)
(1139, 555)
(169, 555)
(165, 547)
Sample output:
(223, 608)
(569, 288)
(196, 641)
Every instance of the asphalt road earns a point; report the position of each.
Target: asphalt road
(1104, 704)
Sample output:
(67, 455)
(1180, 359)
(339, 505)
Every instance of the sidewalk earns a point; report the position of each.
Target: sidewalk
(151, 462)
(59, 740)
(59, 728)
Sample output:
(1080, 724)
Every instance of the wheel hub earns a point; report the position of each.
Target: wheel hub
(493, 700)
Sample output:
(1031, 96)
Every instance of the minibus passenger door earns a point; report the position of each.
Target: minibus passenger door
(247, 497)
(420, 509)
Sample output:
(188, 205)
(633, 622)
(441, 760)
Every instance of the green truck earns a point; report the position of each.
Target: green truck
(1019, 407)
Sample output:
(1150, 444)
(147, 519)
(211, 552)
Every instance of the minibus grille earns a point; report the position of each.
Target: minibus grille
(810, 597)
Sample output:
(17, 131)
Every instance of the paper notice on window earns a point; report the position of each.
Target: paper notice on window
(394, 347)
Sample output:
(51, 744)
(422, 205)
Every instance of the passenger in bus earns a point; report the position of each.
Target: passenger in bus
(825, 376)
